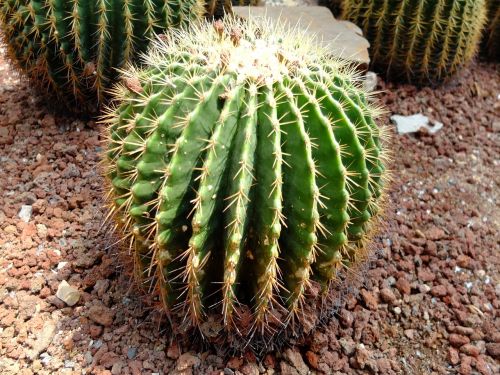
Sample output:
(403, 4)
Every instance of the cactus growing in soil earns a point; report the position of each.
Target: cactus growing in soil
(72, 47)
(244, 164)
(422, 41)
(491, 40)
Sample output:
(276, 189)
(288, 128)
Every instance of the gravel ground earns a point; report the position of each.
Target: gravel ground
(429, 303)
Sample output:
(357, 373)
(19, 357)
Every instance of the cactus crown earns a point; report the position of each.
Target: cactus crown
(244, 167)
(422, 41)
(71, 47)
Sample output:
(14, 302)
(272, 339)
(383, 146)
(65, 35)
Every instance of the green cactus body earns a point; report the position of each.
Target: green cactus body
(73, 47)
(244, 165)
(421, 41)
(491, 40)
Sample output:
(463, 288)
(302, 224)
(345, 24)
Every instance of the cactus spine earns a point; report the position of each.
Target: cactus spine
(244, 164)
(491, 40)
(422, 41)
(73, 47)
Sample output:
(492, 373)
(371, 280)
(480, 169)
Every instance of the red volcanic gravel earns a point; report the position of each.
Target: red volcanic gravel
(430, 299)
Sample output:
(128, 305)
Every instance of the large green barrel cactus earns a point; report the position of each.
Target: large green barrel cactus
(244, 166)
(73, 47)
(491, 40)
(422, 41)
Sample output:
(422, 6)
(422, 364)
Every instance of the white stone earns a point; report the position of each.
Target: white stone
(25, 213)
(414, 123)
(371, 80)
(67, 293)
(43, 340)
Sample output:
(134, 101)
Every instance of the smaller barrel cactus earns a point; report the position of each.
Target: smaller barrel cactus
(71, 48)
(421, 41)
(246, 2)
(491, 40)
(334, 5)
(244, 165)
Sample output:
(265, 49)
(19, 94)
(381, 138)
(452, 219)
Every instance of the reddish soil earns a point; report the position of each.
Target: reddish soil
(429, 303)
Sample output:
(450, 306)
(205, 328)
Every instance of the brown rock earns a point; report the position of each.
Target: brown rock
(403, 285)
(270, 361)
(410, 333)
(370, 300)
(439, 291)
(465, 366)
(186, 361)
(312, 359)
(458, 340)
(453, 356)
(467, 331)
(482, 366)
(135, 367)
(430, 248)
(250, 369)
(493, 349)
(434, 233)
(384, 366)
(470, 350)
(425, 275)
(235, 363)
(100, 314)
(387, 295)
(346, 318)
(173, 351)
(118, 367)
(68, 343)
(362, 356)
(287, 369)
(108, 359)
(95, 331)
(294, 357)
(464, 261)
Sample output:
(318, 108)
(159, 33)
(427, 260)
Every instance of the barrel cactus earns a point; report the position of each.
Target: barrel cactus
(73, 47)
(246, 2)
(334, 5)
(421, 41)
(244, 166)
(491, 40)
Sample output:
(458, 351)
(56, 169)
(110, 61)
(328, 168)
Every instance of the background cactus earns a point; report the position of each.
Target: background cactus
(491, 40)
(422, 41)
(72, 47)
(334, 5)
(246, 2)
(244, 166)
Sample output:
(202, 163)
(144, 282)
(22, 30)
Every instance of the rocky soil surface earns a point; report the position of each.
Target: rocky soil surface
(429, 303)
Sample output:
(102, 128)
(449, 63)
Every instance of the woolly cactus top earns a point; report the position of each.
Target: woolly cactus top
(244, 167)
(258, 51)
